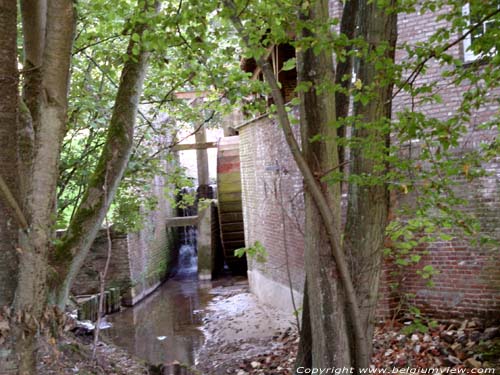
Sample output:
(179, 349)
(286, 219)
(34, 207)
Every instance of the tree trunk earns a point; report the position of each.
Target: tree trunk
(320, 196)
(368, 204)
(113, 161)
(304, 353)
(330, 345)
(344, 71)
(8, 171)
(34, 21)
(8, 147)
(37, 243)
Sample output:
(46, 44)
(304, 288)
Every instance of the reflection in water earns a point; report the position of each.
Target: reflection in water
(165, 326)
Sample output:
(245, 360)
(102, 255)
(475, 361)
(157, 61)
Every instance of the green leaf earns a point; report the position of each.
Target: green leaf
(289, 64)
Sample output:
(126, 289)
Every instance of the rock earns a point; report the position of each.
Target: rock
(443, 351)
(475, 336)
(462, 337)
(414, 337)
(490, 333)
(255, 364)
(471, 324)
(447, 337)
(453, 360)
(241, 372)
(472, 363)
(455, 346)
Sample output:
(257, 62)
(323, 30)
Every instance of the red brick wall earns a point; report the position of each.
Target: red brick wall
(468, 282)
(269, 175)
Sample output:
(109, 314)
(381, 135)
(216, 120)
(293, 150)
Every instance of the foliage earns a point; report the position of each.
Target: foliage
(189, 54)
(256, 251)
(418, 322)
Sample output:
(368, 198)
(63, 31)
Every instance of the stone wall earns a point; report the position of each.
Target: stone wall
(468, 283)
(87, 281)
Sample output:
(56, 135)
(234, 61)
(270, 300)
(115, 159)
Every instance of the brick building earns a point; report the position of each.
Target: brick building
(468, 283)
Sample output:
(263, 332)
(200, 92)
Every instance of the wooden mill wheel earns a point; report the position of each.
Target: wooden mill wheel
(229, 202)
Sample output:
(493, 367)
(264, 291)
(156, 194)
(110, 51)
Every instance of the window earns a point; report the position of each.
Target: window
(472, 51)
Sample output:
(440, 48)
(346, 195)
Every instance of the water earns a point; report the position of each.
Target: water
(166, 325)
(188, 261)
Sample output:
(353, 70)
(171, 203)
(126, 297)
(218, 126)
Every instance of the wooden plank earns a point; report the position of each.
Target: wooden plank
(230, 196)
(194, 146)
(229, 207)
(232, 227)
(230, 246)
(231, 218)
(234, 236)
(227, 180)
(183, 221)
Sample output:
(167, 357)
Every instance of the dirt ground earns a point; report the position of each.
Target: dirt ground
(237, 328)
(244, 337)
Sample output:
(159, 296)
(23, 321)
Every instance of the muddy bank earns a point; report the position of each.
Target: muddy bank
(237, 327)
(72, 354)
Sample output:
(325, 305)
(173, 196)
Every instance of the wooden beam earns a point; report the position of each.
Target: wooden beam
(182, 221)
(194, 146)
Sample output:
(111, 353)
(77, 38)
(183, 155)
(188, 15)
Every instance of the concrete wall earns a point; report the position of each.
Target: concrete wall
(469, 280)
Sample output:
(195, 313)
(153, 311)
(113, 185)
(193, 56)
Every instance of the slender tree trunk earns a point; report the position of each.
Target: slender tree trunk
(8, 173)
(368, 204)
(90, 214)
(8, 147)
(344, 70)
(330, 344)
(304, 353)
(34, 21)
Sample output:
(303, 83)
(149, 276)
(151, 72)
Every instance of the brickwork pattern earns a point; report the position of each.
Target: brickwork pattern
(272, 201)
(468, 283)
(87, 281)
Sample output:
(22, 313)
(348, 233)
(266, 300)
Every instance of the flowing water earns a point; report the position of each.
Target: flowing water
(166, 325)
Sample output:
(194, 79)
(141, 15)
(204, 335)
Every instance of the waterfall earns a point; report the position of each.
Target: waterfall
(188, 259)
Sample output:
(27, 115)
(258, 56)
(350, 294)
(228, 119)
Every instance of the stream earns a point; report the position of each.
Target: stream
(166, 325)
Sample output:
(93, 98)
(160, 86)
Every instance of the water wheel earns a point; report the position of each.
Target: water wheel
(229, 202)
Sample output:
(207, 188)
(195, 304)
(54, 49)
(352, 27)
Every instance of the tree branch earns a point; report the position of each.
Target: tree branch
(12, 202)
(416, 72)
